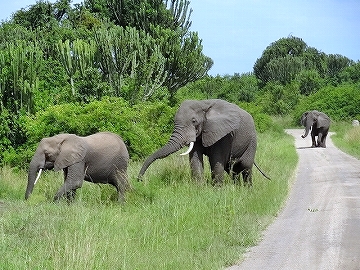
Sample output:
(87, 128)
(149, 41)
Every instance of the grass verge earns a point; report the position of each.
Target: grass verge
(347, 138)
(168, 221)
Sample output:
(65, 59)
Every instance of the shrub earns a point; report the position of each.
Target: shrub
(278, 99)
(262, 121)
(144, 128)
(339, 103)
(12, 132)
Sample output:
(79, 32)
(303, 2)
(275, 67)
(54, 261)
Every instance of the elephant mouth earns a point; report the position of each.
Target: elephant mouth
(191, 146)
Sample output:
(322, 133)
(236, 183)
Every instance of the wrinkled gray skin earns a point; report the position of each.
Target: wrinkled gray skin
(319, 124)
(220, 130)
(98, 158)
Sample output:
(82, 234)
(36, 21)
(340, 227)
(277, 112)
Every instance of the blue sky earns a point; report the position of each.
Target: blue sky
(236, 32)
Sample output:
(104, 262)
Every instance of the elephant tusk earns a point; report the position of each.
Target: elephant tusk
(189, 150)
(38, 176)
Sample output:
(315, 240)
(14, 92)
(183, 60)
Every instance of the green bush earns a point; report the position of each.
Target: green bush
(144, 128)
(278, 99)
(339, 103)
(12, 133)
(263, 122)
(236, 88)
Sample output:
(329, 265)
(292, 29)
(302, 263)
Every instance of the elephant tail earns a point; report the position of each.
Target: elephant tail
(267, 177)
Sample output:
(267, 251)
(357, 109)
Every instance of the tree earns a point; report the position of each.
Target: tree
(277, 57)
(168, 22)
(68, 59)
(130, 56)
(285, 58)
(185, 61)
(335, 64)
(20, 63)
(309, 81)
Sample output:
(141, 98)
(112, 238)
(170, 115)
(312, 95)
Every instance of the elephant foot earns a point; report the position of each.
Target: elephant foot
(248, 184)
(217, 184)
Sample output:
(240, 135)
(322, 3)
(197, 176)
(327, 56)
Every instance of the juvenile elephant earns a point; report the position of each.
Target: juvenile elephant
(98, 158)
(319, 124)
(215, 128)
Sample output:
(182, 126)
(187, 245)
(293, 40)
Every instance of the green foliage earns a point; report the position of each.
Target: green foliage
(20, 63)
(143, 14)
(335, 64)
(144, 128)
(285, 59)
(347, 137)
(263, 122)
(309, 81)
(284, 69)
(236, 88)
(350, 74)
(12, 133)
(142, 48)
(277, 99)
(339, 103)
(185, 61)
(282, 51)
(127, 55)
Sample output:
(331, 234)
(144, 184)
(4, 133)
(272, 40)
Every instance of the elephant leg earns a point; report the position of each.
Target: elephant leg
(219, 158)
(324, 141)
(70, 195)
(74, 177)
(313, 140)
(247, 177)
(217, 172)
(197, 165)
(120, 182)
(320, 140)
(246, 172)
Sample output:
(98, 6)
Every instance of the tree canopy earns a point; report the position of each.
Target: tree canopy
(136, 50)
(286, 58)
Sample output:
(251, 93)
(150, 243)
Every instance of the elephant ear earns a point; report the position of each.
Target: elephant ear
(72, 150)
(221, 119)
(303, 118)
(322, 121)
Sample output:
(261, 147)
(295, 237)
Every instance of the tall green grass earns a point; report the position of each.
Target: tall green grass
(347, 138)
(167, 222)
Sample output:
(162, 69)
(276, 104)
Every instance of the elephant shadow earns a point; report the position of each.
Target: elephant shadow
(304, 147)
(307, 147)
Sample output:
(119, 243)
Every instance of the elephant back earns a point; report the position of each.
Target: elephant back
(107, 145)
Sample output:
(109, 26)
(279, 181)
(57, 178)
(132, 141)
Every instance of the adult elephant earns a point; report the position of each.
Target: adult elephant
(98, 158)
(319, 123)
(215, 128)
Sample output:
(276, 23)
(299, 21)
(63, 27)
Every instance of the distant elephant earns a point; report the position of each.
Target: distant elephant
(98, 158)
(319, 123)
(215, 128)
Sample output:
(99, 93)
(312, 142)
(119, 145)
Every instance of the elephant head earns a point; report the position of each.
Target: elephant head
(314, 118)
(56, 152)
(198, 120)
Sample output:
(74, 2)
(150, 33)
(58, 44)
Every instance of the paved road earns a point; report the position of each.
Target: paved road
(319, 228)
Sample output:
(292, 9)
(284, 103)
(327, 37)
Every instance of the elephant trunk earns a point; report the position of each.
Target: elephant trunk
(175, 143)
(307, 129)
(309, 122)
(36, 165)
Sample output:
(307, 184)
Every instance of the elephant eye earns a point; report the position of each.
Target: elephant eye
(194, 121)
